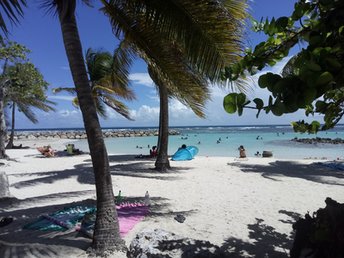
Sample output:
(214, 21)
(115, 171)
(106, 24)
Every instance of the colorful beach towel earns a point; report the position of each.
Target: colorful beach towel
(82, 218)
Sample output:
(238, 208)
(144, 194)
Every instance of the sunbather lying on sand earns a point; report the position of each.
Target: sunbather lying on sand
(47, 151)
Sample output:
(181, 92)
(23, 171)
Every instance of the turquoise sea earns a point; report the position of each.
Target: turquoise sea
(225, 140)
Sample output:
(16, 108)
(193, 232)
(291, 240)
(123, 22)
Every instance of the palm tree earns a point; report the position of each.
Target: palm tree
(26, 90)
(193, 95)
(109, 79)
(12, 9)
(197, 37)
(106, 231)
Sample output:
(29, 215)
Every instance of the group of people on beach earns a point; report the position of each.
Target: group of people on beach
(48, 151)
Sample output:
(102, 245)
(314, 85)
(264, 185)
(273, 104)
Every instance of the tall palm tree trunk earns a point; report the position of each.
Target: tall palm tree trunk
(10, 141)
(159, 131)
(106, 231)
(3, 133)
(162, 163)
(3, 128)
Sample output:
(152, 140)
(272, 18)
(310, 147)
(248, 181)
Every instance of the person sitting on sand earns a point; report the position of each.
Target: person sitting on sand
(47, 151)
(71, 150)
(242, 152)
(153, 152)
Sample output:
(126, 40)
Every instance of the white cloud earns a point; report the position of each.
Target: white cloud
(64, 97)
(141, 78)
(179, 111)
(69, 113)
(145, 114)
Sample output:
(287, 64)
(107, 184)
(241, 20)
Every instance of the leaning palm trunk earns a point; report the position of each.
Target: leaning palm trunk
(3, 133)
(162, 163)
(10, 141)
(106, 231)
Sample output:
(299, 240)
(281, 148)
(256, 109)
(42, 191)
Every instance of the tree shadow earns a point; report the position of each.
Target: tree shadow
(265, 241)
(145, 169)
(294, 216)
(83, 173)
(311, 172)
(14, 203)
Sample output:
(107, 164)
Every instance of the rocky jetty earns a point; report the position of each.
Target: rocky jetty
(76, 134)
(319, 140)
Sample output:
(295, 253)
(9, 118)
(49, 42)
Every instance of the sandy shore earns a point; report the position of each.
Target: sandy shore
(247, 207)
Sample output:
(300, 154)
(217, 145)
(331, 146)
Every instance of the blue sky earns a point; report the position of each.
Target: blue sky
(41, 33)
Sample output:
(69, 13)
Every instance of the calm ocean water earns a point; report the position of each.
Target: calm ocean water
(225, 140)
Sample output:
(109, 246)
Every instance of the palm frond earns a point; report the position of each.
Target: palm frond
(123, 57)
(27, 111)
(100, 106)
(67, 89)
(65, 7)
(116, 105)
(111, 71)
(192, 92)
(208, 33)
(98, 64)
(13, 9)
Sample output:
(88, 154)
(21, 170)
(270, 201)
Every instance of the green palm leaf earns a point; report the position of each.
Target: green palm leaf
(13, 9)
(205, 44)
(116, 105)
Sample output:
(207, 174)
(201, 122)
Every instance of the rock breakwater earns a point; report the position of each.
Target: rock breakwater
(319, 140)
(76, 134)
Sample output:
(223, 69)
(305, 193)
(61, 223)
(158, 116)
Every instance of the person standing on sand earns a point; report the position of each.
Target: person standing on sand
(242, 152)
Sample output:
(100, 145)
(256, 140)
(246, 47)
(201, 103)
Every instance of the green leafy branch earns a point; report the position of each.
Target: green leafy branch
(313, 79)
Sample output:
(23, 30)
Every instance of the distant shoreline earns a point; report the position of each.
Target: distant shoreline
(81, 134)
(148, 127)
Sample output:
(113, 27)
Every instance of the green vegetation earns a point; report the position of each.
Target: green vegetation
(109, 79)
(183, 51)
(313, 79)
(26, 89)
(10, 53)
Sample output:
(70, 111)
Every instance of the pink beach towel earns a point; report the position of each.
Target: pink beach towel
(129, 216)
(82, 219)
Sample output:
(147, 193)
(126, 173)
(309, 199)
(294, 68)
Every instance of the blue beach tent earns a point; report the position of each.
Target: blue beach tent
(185, 154)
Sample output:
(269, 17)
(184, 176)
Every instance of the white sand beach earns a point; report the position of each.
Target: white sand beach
(244, 206)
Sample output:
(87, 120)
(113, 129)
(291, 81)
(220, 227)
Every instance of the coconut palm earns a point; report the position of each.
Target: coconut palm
(12, 9)
(26, 90)
(106, 231)
(198, 94)
(109, 79)
(197, 37)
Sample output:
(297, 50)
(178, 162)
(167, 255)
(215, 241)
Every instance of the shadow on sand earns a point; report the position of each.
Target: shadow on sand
(311, 172)
(264, 241)
(36, 243)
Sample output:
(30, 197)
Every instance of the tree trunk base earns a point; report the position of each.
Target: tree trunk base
(4, 156)
(108, 250)
(163, 166)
